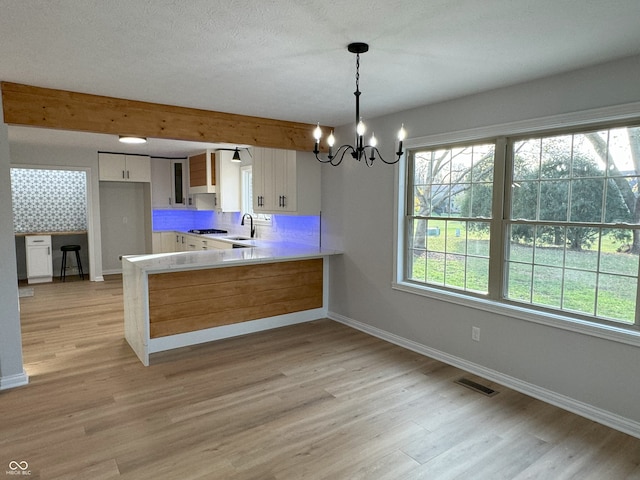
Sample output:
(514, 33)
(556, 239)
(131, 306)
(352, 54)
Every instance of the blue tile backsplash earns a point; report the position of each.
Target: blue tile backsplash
(48, 200)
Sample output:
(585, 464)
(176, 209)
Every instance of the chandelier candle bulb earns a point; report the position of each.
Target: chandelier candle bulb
(374, 141)
(401, 136)
(331, 140)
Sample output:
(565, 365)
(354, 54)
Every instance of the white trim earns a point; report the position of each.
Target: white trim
(617, 422)
(113, 271)
(13, 381)
(627, 111)
(227, 331)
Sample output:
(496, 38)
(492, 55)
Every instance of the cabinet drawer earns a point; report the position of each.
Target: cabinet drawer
(38, 240)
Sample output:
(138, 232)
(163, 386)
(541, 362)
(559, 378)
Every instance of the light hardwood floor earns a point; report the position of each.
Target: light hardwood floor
(317, 401)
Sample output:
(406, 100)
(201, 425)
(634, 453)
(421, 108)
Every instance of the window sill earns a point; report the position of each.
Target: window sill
(627, 335)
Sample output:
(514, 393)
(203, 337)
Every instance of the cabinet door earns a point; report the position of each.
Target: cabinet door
(39, 261)
(228, 196)
(202, 173)
(264, 196)
(161, 183)
(168, 242)
(112, 167)
(179, 182)
(285, 180)
(138, 168)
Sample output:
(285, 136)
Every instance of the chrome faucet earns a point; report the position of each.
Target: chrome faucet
(253, 229)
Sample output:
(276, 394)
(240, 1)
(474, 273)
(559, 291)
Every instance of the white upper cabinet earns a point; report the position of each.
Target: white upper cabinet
(285, 182)
(215, 174)
(228, 179)
(117, 167)
(168, 183)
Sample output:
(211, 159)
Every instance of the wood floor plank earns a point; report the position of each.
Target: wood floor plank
(315, 400)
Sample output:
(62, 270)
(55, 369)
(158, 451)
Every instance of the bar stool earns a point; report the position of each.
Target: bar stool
(63, 270)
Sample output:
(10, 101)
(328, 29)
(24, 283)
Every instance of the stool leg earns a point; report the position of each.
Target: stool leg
(79, 265)
(64, 266)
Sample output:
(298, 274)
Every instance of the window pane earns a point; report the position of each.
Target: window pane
(615, 254)
(586, 200)
(554, 200)
(526, 162)
(524, 200)
(617, 298)
(478, 274)
(547, 286)
(622, 193)
(580, 291)
(585, 257)
(519, 286)
(456, 237)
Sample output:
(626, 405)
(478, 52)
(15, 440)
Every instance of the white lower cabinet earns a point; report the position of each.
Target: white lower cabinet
(39, 258)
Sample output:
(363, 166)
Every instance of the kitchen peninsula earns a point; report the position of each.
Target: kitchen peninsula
(173, 300)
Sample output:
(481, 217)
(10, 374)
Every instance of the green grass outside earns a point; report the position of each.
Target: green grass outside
(602, 285)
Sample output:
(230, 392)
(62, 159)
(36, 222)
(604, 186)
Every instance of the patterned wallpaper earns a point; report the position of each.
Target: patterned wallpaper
(49, 200)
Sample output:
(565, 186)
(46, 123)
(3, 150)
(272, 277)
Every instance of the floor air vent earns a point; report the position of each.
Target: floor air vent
(476, 387)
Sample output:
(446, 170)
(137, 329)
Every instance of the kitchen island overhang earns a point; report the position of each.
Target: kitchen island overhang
(174, 300)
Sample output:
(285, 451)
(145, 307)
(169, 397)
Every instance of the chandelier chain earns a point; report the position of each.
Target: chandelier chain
(358, 72)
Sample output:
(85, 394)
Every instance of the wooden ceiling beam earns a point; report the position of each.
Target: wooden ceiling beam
(63, 110)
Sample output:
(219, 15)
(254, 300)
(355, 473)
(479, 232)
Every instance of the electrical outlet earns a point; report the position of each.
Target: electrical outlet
(475, 334)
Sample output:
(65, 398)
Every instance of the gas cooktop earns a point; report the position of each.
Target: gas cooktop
(207, 231)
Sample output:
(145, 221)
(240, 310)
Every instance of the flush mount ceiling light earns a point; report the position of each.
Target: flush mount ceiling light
(132, 139)
(361, 151)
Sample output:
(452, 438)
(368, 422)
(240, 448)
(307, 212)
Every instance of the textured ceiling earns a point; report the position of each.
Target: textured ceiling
(287, 59)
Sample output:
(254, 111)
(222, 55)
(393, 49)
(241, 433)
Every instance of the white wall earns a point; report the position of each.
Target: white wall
(594, 376)
(11, 371)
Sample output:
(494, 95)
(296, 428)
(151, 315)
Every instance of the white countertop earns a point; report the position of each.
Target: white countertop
(264, 251)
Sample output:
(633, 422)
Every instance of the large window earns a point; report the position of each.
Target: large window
(549, 222)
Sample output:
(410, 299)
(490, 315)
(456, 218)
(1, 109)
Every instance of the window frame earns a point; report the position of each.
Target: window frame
(502, 134)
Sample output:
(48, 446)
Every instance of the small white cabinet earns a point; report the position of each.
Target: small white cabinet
(285, 182)
(39, 258)
(118, 167)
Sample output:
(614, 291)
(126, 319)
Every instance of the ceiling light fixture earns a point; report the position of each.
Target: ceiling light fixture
(360, 151)
(131, 139)
(236, 156)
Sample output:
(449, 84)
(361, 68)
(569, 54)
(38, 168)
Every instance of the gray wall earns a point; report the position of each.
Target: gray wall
(122, 213)
(358, 210)
(11, 370)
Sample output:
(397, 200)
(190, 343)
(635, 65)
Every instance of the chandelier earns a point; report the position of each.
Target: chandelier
(360, 152)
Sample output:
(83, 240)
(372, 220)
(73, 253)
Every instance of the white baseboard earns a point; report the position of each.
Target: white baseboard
(113, 271)
(596, 414)
(12, 381)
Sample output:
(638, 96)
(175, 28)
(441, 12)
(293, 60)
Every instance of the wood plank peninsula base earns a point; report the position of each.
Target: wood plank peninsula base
(186, 298)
